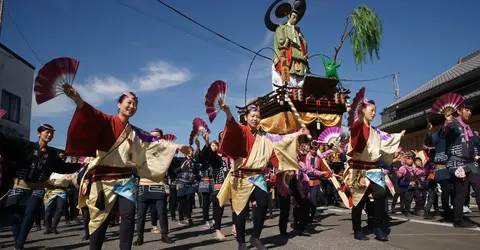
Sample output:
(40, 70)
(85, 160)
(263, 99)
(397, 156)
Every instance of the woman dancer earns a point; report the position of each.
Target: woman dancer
(207, 158)
(34, 163)
(211, 157)
(188, 176)
(363, 176)
(152, 194)
(55, 200)
(118, 147)
(251, 149)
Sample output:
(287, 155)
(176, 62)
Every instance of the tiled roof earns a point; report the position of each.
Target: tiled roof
(412, 116)
(465, 65)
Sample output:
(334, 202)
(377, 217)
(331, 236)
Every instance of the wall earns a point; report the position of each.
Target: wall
(415, 140)
(16, 77)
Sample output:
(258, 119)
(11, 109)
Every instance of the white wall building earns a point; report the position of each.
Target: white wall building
(16, 86)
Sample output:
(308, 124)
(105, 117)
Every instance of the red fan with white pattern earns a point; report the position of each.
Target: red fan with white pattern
(2, 112)
(448, 101)
(215, 97)
(193, 136)
(353, 112)
(344, 143)
(169, 138)
(53, 77)
(199, 126)
(330, 135)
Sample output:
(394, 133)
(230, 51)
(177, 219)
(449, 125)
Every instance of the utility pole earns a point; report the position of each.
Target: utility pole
(395, 86)
(1, 15)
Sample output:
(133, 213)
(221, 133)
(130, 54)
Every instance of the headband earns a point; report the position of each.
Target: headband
(253, 108)
(47, 127)
(366, 102)
(157, 130)
(129, 95)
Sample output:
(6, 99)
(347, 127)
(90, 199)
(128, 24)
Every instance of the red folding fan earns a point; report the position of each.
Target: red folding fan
(215, 96)
(2, 112)
(353, 112)
(53, 76)
(199, 126)
(169, 138)
(448, 101)
(193, 136)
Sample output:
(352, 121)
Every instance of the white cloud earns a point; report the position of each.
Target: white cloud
(53, 107)
(97, 90)
(160, 75)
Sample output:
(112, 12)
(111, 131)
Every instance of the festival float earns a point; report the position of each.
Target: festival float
(300, 98)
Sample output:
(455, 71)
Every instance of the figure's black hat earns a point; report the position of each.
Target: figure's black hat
(281, 9)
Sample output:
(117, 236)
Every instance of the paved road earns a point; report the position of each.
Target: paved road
(334, 232)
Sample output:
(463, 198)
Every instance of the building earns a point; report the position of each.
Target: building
(411, 111)
(16, 86)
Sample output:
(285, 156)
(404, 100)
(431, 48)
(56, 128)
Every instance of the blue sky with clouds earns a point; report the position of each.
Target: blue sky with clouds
(171, 69)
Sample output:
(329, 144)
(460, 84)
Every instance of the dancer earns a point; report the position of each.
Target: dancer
(290, 189)
(118, 147)
(34, 164)
(363, 176)
(55, 200)
(219, 175)
(205, 186)
(188, 176)
(152, 193)
(251, 150)
(460, 149)
(84, 210)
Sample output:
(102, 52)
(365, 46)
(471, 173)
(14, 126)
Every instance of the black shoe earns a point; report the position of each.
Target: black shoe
(138, 242)
(427, 216)
(242, 246)
(284, 234)
(380, 235)
(67, 222)
(303, 233)
(39, 228)
(54, 231)
(167, 239)
(257, 243)
(464, 224)
(190, 223)
(48, 231)
(359, 235)
(86, 237)
(77, 221)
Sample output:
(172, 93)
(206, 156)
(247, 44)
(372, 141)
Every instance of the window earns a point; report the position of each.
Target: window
(11, 103)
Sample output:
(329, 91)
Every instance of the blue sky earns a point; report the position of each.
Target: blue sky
(170, 70)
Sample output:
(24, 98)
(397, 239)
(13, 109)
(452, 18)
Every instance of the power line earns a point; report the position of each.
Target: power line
(212, 31)
(23, 36)
(158, 19)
